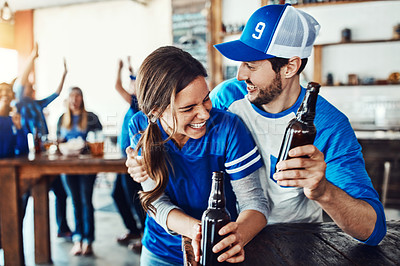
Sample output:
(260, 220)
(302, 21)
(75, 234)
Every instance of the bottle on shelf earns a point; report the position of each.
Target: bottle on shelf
(301, 129)
(214, 218)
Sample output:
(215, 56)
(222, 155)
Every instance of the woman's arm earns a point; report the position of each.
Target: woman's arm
(60, 87)
(24, 79)
(254, 211)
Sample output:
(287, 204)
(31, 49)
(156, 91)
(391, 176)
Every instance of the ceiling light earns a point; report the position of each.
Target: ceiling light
(6, 14)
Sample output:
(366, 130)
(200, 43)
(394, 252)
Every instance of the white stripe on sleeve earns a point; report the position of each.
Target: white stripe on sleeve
(244, 166)
(244, 157)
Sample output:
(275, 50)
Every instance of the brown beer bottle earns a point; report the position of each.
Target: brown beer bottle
(214, 218)
(37, 139)
(301, 129)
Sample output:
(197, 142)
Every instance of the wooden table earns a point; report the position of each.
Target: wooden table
(20, 174)
(313, 244)
(320, 244)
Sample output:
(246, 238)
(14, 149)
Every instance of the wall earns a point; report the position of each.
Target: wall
(377, 106)
(92, 37)
(367, 21)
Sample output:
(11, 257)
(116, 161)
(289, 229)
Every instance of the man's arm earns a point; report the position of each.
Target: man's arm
(355, 216)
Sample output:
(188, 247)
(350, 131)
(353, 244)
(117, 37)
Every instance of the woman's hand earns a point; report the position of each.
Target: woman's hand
(16, 119)
(196, 242)
(135, 167)
(233, 242)
(65, 67)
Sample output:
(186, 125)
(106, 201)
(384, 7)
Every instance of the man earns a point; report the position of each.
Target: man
(273, 49)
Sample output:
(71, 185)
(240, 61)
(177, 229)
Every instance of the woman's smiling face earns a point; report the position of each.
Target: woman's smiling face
(6, 96)
(192, 110)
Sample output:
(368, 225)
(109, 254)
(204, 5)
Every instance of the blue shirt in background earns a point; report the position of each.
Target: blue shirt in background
(13, 142)
(32, 117)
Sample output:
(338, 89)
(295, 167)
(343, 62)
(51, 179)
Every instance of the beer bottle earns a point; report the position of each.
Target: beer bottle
(214, 218)
(301, 129)
(37, 141)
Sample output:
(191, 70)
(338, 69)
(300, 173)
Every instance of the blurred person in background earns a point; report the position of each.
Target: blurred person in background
(13, 137)
(125, 188)
(76, 122)
(33, 119)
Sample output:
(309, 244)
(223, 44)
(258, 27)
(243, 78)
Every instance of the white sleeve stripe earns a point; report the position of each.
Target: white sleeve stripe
(244, 157)
(244, 166)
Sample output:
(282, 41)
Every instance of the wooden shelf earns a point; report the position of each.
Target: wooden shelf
(333, 3)
(372, 86)
(357, 42)
(318, 53)
(216, 36)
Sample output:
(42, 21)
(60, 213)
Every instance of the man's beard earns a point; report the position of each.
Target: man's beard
(269, 93)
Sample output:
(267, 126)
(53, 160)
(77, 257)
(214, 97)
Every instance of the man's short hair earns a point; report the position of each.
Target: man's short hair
(278, 62)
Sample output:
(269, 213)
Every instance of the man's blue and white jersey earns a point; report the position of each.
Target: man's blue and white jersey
(226, 146)
(335, 138)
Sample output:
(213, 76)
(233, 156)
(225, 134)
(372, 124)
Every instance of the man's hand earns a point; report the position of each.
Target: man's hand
(135, 167)
(308, 173)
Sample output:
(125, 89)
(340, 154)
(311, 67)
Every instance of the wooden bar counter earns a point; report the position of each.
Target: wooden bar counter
(314, 244)
(17, 175)
(320, 244)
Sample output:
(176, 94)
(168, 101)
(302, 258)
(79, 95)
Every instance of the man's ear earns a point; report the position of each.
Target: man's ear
(292, 67)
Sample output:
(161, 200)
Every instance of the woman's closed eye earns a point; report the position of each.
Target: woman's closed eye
(187, 110)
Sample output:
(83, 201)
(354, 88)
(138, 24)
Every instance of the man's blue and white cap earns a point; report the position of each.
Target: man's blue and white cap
(273, 31)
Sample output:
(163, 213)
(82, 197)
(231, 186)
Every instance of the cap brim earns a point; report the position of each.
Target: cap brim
(238, 51)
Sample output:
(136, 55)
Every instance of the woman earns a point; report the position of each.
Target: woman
(75, 123)
(182, 140)
(13, 137)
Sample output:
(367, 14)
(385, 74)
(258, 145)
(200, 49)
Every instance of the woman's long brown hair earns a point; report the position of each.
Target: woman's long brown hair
(163, 74)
